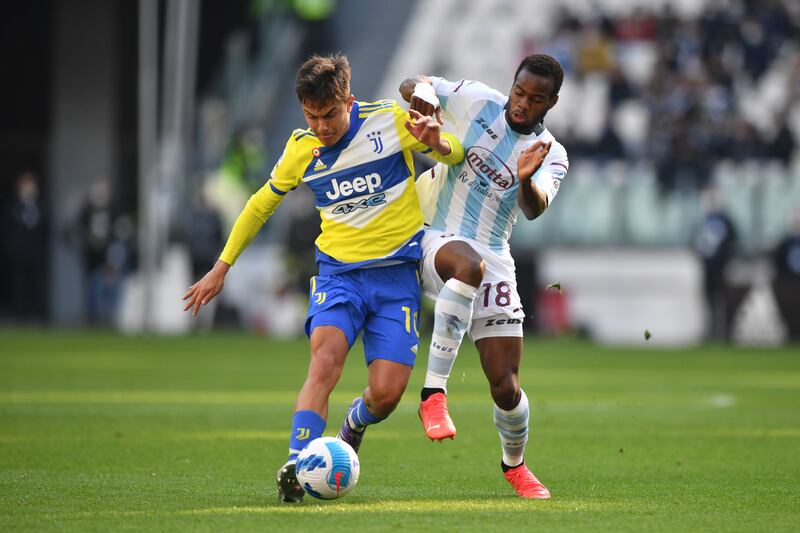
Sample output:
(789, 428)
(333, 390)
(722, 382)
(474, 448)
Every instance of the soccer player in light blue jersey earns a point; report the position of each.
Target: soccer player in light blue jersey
(512, 164)
(356, 158)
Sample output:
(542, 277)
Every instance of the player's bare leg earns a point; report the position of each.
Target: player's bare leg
(462, 270)
(500, 358)
(329, 349)
(387, 381)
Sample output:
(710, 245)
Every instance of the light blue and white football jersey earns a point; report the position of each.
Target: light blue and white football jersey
(477, 198)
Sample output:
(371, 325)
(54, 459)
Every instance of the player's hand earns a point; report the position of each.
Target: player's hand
(531, 159)
(207, 288)
(424, 108)
(425, 129)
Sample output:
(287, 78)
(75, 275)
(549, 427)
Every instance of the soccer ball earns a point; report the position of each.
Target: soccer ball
(327, 468)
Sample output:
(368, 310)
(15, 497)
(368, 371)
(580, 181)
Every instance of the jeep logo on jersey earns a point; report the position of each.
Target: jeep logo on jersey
(370, 183)
(488, 167)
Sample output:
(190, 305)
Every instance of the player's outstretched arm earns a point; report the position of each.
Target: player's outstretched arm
(429, 132)
(531, 199)
(207, 288)
(421, 98)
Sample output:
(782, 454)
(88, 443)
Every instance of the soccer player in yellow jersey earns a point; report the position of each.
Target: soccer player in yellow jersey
(356, 158)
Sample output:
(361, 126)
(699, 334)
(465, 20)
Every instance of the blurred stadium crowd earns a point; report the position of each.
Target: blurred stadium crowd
(724, 84)
(700, 98)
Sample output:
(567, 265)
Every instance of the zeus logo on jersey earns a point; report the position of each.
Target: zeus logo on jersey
(370, 183)
(502, 321)
(486, 127)
(487, 166)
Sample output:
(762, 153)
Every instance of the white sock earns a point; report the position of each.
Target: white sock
(451, 319)
(513, 428)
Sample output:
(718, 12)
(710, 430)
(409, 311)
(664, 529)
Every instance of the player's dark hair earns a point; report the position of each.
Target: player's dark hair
(545, 66)
(323, 80)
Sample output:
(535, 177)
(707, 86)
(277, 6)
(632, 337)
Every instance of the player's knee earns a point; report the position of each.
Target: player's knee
(325, 368)
(505, 392)
(470, 270)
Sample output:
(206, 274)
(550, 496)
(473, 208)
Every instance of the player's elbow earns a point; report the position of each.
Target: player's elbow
(532, 209)
(532, 213)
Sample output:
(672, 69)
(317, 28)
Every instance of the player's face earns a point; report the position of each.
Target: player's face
(530, 99)
(329, 122)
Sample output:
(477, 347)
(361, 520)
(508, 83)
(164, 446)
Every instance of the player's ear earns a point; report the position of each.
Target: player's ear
(350, 103)
(553, 100)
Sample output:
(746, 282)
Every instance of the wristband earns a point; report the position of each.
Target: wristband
(425, 92)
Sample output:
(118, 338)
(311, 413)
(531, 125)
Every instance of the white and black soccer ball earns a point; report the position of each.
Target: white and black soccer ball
(327, 468)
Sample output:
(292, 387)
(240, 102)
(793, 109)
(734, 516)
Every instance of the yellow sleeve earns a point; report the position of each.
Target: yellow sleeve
(286, 175)
(409, 142)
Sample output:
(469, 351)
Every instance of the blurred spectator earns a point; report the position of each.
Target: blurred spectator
(25, 241)
(786, 257)
(316, 17)
(241, 173)
(206, 240)
(96, 224)
(695, 78)
(300, 248)
(620, 89)
(206, 236)
(786, 286)
(715, 243)
(781, 147)
(596, 49)
(609, 146)
(120, 261)
(561, 45)
(244, 159)
(638, 26)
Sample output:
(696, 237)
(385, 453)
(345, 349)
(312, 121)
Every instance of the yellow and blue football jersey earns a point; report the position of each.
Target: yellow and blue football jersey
(364, 189)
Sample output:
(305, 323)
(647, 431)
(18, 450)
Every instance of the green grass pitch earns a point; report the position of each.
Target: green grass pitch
(100, 432)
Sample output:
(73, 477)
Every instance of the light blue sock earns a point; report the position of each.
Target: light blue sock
(451, 318)
(513, 428)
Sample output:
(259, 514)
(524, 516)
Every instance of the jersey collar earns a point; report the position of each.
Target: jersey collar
(341, 144)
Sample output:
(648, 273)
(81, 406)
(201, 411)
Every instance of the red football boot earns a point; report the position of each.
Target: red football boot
(435, 419)
(526, 484)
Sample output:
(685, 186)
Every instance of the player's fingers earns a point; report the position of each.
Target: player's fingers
(189, 292)
(532, 148)
(413, 128)
(418, 104)
(416, 115)
(188, 305)
(439, 115)
(200, 297)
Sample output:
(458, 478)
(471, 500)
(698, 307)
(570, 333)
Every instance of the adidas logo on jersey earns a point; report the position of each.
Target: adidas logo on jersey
(319, 165)
(370, 183)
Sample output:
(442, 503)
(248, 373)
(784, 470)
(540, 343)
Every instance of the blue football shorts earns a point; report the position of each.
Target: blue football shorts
(382, 303)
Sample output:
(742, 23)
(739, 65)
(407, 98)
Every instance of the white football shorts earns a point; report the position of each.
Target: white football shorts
(497, 310)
